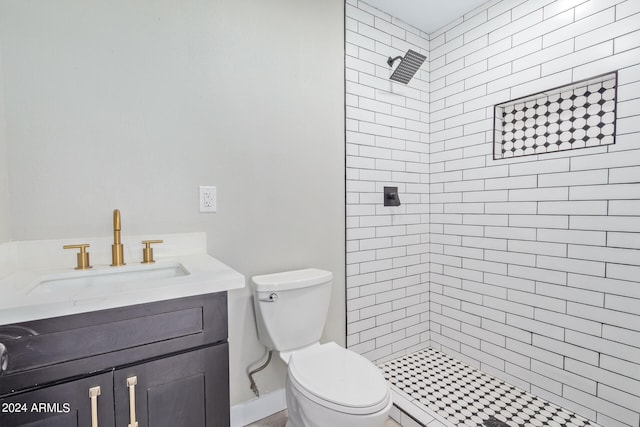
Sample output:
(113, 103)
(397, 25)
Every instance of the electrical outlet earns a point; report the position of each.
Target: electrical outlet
(208, 199)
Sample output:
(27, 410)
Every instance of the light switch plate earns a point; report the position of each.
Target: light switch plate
(208, 198)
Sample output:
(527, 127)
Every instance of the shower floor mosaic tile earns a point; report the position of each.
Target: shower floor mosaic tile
(465, 396)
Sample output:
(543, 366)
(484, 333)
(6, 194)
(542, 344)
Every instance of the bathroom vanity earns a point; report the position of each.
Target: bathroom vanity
(161, 364)
(80, 349)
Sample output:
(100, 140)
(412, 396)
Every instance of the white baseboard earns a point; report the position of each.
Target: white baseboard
(256, 409)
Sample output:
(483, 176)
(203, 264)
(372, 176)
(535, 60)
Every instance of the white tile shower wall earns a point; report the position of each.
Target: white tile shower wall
(535, 262)
(386, 145)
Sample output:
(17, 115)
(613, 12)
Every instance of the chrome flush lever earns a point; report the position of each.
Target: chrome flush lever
(273, 297)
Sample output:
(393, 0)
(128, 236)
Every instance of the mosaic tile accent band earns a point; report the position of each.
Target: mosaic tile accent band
(579, 115)
(466, 396)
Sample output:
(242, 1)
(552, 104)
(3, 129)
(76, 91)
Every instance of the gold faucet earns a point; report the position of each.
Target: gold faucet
(117, 249)
(83, 255)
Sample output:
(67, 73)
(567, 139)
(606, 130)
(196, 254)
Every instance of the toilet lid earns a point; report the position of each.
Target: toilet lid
(339, 376)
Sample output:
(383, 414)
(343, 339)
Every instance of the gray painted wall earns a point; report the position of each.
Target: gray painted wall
(4, 168)
(134, 105)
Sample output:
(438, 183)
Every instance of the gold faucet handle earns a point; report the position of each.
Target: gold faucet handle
(147, 252)
(82, 255)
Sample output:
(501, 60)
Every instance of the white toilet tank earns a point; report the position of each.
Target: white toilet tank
(291, 307)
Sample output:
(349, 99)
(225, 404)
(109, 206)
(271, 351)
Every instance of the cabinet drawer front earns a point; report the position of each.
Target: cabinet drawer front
(66, 346)
(42, 350)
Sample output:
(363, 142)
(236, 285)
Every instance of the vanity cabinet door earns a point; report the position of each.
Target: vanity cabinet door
(188, 389)
(64, 405)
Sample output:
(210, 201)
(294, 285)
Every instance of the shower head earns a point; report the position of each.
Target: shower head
(408, 66)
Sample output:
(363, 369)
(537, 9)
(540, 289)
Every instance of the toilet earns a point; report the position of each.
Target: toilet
(327, 385)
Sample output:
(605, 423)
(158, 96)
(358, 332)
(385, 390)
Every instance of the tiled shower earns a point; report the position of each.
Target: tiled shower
(526, 268)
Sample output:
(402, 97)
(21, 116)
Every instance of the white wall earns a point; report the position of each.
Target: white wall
(535, 261)
(387, 145)
(4, 169)
(133, 105)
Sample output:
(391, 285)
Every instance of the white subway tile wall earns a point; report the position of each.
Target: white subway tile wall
(527, 268)
(387, 145)
(552, 280)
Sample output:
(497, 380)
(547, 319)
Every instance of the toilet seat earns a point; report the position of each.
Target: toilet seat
(339, 379)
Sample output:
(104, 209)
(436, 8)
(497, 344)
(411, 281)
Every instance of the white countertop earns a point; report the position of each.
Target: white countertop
(21, 300)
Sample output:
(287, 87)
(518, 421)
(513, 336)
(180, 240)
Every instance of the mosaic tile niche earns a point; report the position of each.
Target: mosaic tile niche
(579, 115)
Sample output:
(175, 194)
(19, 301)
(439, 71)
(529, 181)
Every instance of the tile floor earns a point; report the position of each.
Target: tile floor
(438, 390)
(459, 395)
(280, 419)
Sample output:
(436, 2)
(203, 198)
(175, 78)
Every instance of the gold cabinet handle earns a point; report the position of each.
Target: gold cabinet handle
(83, 255)
(131, 384)
(94, 392)
(147, 252)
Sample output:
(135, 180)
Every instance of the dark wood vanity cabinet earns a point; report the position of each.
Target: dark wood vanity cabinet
(182, 390)
(62, 405)
(167, 360)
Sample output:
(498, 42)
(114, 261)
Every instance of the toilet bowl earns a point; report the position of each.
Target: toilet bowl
(327, 385)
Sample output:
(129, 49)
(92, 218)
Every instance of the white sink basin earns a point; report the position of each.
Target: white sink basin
(111, 278)
(37, 280)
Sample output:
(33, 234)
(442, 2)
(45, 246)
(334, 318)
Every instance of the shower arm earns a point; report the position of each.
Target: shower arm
(391, 60)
